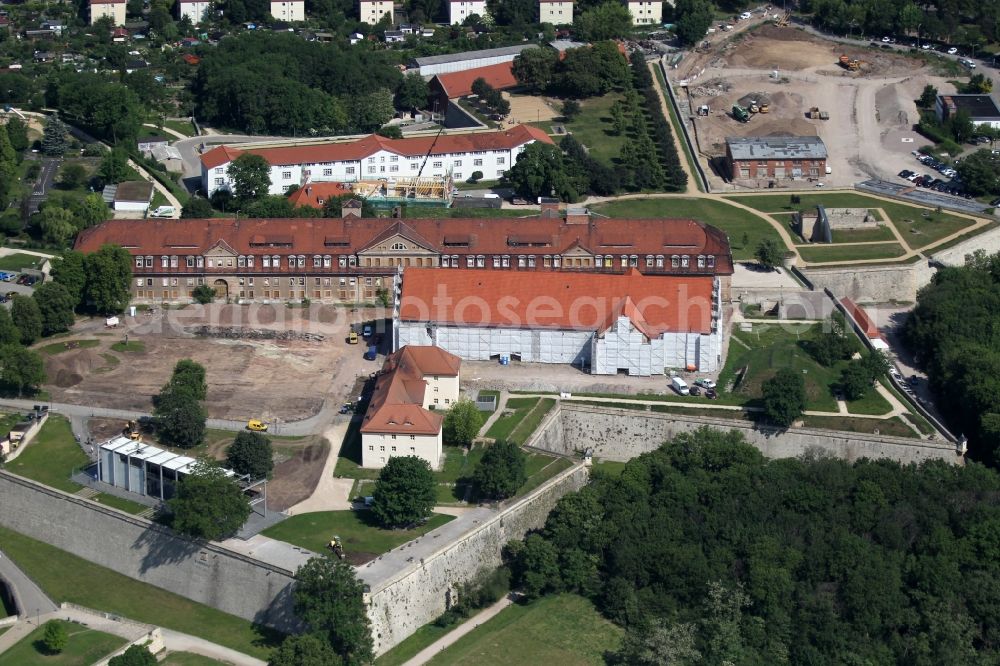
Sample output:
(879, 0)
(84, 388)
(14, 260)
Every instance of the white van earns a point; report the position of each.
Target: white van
(163, 211)
(679, 385)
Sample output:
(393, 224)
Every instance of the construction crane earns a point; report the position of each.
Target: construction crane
(429, 151)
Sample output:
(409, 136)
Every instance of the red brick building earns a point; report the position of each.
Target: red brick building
(775, 157)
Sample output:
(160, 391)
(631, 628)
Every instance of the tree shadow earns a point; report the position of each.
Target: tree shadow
(278, 619)
(162, 547)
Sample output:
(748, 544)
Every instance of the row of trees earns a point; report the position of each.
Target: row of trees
(954, 333)
(958, 21)
(706, 552)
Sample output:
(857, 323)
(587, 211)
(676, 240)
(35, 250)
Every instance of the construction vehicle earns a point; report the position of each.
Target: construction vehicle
(764, 108)
(131, 430)
(256, 425)
(352, 338)
(703, 110)
(740, 114)
(814, 113)
(849, 63)
(783, 21)
(336, 547)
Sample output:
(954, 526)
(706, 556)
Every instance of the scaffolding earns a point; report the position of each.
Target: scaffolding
(427, 190)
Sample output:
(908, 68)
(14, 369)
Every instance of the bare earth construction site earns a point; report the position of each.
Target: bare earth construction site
(793, 71)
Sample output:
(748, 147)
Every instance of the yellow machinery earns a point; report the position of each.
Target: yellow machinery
(764, 108)
(256, 425)
(352, 338)
(131, 431)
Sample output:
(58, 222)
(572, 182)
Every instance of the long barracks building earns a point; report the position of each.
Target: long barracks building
(350, 259)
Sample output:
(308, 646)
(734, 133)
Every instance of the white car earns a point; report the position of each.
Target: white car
(925, 47)
(952, 51)
(745, 15)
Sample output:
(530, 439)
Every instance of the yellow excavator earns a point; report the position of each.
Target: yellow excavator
(131, 430)
(337, 547)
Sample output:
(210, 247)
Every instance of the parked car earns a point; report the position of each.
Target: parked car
(705, 383)
(694, 390)
(256, 425)
(745, 15)
(372, 353)
(953, 50)
(366, 332)
(711, 394)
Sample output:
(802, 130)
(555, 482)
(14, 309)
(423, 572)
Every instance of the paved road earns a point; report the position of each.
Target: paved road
(178, 642)
(46, 179)
(29, 597)
(448, 639)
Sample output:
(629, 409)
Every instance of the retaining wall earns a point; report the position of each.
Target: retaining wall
(623, 434)
(421, 592)
(872, 284)
(955, 256)
(145, 551)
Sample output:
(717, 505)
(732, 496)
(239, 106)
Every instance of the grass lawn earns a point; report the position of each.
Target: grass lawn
(19, 261)
(918, 226)
(115, 502)
(564, 629)
(513, 413)
(188, 659)
(8, 421)
(609, 467)
(66, 577)
(768, 348)
(531, 420)
(52, 456)
(540, 468)
(183, 126)
(60, 347)
(85, 646)
(873, 404)
(735, 222)
(594, 129)
(130, 346)
(409, 648)
(821, 253)
(357, 530)
(880, 233)
(893, 426)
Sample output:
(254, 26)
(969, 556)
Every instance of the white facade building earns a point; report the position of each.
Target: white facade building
(640, 324)
(372, 11)
(459, 10)
(403, 417)
(194, 10)
(459, 62)
(556, 12)
(376, 157)
(288, 10)
(114, 9)
(646, 12)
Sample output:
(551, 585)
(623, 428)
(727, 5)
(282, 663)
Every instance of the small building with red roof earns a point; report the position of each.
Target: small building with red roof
(315, 195)
(454, 85)
(376, 157)
(406, 410)
(865, 323)
(635, 323)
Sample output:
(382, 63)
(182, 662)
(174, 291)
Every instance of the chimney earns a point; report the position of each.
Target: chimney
(550, 206)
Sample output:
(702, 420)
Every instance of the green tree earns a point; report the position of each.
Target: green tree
(534, 565)
(55, 305)
(54, 142)
(928, 97)
(203, 294)
(328, 597)
(208, 505)
(784, 397)
(251, 453)
(855, 380)
(251, 176)
(114, 167)
(769, 253)
(72, 176)
(136, 655)
(961, 127)
(980, 173)
(619, 119)
(56, 225)
(189, 377)
(501, 471)
(534, 68)
(371, 111)
(610, 20)
(304, 650)
(405, 492)
(412, 92)
(540, 171)
(197, 207)
(570, 109)
(70, 272)
(17, 134)
(27, 317)
(660, 644)
(180, 419)
(109, 272)
(462, 423)
(9, 335)
(979, 84)
(91, 211)
(55, 637)
(694, 17)
(21, 367)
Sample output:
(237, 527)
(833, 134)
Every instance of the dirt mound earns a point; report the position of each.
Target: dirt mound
(754, 98)
(296, 476)
(893, 108)
(68, 369)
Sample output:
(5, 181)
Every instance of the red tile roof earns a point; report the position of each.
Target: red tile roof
(315, 194)
(577, 301)
(369, 145)
(191, 59)
(107, 2)
(536, 235)
(868, 327)
(459, 84)
(396, 404)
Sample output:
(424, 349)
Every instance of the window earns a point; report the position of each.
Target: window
(317, 261)
(164, 261)
(267, 261)
(398, 246)
(501, 160)
(250, 261)
(649, 260)
(394, 168)
(445, 261)
(291, 282)
(286, 175)
(496, 261)
(200, 261)
(371, 169)
(458, 163)
(250, 281)
(138, 262)
(454, 261)
(711, 261)
(349, 170)
(470, 261)
(506, 261)
(480, 261)
(189, 261)
(531, 261)
(521, 261)
(218, 169)
(342, 261)
(675, 261)
(458, 175)
(327, 260)
(138, 282)
(302, 261)
(659, 261)
(547, 261)
(241, 261)
(190, 282)
(307, 172)
(633, 261)
(556, 261)
(149, 262)
(685, 260)
(352, 261)
(701, 261)
(437, 165)
(477, 163)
